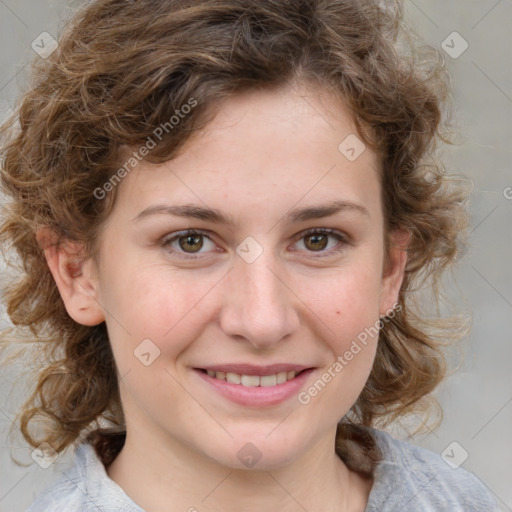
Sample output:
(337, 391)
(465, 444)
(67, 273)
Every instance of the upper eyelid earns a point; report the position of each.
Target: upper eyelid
(326, 231)
(186, 232)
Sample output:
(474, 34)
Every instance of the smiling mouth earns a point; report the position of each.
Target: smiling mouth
(252, 381)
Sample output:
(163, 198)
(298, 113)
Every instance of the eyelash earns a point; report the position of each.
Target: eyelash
(167, 241)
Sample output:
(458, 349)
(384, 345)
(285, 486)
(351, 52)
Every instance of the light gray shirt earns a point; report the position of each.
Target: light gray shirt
(408, 479)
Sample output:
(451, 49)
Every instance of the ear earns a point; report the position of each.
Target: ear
(394, 270)
(75, 276)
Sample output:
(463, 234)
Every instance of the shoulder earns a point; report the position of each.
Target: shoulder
(86, 487)
(416, 479)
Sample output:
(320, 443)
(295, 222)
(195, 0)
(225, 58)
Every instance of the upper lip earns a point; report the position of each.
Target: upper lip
(249, 369)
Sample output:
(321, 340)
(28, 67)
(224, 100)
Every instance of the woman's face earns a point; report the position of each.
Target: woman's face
(258, 292)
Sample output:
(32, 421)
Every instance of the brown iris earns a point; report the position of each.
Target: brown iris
(194, 242)
(318, 241)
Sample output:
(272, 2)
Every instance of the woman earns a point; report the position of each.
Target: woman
(222, 209)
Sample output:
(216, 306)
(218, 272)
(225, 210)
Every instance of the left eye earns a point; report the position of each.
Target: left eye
(317, 240)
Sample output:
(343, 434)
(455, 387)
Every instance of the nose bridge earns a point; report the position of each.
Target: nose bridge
(258, 306)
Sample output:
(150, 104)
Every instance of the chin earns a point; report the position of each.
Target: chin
(258, 451)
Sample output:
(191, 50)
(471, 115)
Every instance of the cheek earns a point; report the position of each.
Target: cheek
(157, 303)
(350, 331)
(348, 307)
(347, 301)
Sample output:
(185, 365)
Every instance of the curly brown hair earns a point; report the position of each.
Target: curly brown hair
(121, 70)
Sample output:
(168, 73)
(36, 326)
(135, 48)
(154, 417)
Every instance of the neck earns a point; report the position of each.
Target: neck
(166, 475)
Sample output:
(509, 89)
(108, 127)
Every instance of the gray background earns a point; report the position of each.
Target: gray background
(477, 400)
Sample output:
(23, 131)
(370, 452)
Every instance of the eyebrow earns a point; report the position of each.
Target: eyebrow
(216, 216)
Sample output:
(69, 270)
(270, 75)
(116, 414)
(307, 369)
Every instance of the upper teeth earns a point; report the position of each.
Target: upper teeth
(253, 380)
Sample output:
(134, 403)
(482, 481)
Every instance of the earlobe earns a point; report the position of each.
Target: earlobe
(75, 275)
(394, 270)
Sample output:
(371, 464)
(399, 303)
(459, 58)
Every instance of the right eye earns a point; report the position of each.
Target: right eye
(187, 243)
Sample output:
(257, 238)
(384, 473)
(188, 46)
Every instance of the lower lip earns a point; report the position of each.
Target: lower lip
(258, 396)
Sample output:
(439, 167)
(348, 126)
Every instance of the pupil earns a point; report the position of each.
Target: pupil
(319, 241)
(190, 240)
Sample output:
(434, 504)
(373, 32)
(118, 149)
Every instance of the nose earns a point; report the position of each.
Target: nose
(259, 306)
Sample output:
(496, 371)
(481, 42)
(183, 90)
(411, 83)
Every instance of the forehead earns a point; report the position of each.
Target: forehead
(266, 147)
